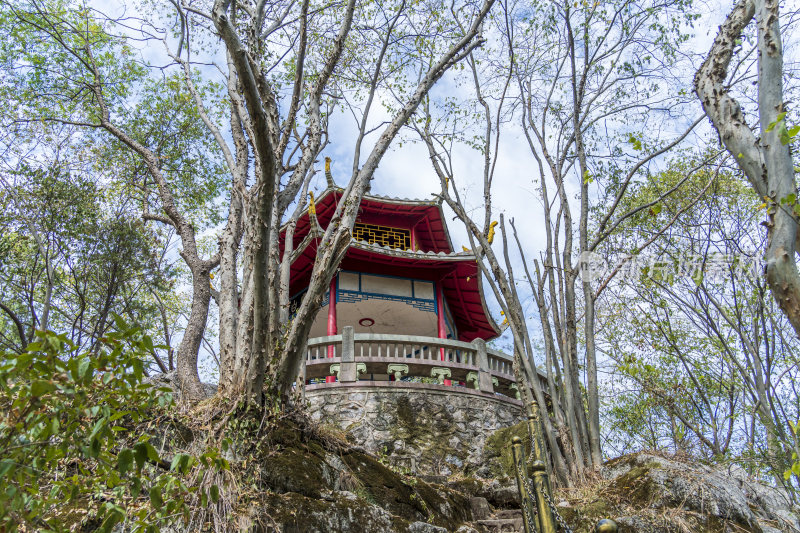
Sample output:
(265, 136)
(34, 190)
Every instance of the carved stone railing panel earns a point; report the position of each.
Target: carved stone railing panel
(318, 347)
(420, 355)
(500, 362)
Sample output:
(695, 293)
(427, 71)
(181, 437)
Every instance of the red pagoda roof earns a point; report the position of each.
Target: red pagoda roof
(425, 216)
(457, 273)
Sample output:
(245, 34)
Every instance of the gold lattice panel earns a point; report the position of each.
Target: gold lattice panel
(383, 235)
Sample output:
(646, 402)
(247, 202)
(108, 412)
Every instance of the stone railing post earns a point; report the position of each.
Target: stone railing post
(482, 358)
(348, 372)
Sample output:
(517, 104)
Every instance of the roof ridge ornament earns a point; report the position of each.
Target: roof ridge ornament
(328, 175)
(312, 207)
(490, 234)
(316, 229)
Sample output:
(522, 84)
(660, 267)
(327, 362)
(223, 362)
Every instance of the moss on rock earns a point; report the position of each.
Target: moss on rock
(296, 470)
(648, 494)
(385, 487)
(293, 463)
(497, 451)
(635, 486)
(307, 485)
(414, 502)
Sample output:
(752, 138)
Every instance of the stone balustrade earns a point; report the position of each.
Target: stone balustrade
(369, 359)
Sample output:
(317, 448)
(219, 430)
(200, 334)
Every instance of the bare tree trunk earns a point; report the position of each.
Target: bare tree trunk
(506, 296)
(228, 299)
(782, 274)
(188, 377)
(23, 341)
(515, 308)
(288, 249)
(766, 161)
(592, 396)
(578, 89)
(571, 360)
(48, 295)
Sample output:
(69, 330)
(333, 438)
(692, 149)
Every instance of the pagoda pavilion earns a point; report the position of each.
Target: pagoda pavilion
(397, 353)
(400, 275)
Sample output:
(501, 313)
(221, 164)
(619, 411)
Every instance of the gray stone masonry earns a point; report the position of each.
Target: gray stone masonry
(427, 431)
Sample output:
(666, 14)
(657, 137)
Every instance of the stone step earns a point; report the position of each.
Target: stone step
(505, 514)
(501, 525)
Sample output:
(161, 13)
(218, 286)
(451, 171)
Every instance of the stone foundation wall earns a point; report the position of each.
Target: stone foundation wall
(428, 429)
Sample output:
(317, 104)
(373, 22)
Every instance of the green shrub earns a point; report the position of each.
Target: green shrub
(70, 451)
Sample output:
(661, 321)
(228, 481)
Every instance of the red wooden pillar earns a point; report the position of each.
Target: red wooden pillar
(413, 239)
(331, 324)
(442, 329)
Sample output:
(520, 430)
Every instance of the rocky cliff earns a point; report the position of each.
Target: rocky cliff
(318, 484)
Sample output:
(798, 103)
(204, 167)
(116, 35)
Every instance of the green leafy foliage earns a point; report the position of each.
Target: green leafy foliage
(70, 448)
(785, 134)
(59, 53)
(49, 230)
(689, 341)
(795, 469)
